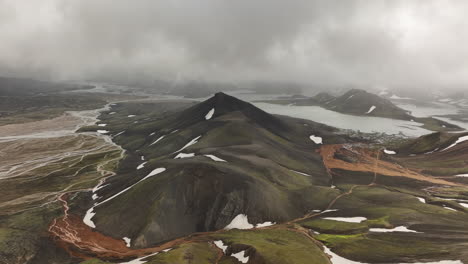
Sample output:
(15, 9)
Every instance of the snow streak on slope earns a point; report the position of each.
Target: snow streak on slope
(371, 109)
(209, 115)
(90, 213)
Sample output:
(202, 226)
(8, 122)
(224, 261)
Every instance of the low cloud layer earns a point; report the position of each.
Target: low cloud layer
(414, 44)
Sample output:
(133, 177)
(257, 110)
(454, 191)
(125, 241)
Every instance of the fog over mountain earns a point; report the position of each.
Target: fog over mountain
(395, 44)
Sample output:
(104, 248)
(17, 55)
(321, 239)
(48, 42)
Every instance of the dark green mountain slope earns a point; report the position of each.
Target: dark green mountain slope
(270, 171)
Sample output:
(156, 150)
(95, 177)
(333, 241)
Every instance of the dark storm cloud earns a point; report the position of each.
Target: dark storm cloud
(361, 43)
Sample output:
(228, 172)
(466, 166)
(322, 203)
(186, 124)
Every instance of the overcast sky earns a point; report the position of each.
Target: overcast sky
(418, 43)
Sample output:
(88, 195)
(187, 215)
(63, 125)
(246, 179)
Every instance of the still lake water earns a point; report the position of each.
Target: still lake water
(431, 109)
(339, 120)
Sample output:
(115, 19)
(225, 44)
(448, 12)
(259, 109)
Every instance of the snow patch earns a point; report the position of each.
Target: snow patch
(357, 219)
(95, 196)
(265, 224)
(131, 115)
(432, 151)
(98, 187)
(213, 157)
(316, 140)
(120, 133)
(422, 200)
(157, 140)
(192, 142)
(220, 245)
(209, 115)
(154, 172)
(103, 131)
(102, 125)
(329, 210)
(389, 152)
(461, 175)
(141, 165)
(371, 109)
(90, 213)
(396, 229)
(127, 241)
(184, 155)
(451, 209)
(452, 199)
(464, 204)
(302, 173)
(335, 259)
(459, 140)
(139, 260)
(241, 256)
(167, 249)
(239, 222)
(112, 113)
(87, 218)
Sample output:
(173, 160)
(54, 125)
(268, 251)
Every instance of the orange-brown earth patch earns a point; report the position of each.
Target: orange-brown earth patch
(81, 241)
(366, 161)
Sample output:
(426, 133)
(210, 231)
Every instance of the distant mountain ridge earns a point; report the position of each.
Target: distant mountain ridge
(363, 103)
(360, 102)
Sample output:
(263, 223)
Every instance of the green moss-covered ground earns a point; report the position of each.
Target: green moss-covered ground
(278, 246)
(190, 253)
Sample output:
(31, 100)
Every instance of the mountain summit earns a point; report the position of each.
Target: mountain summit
(222, 104)
(360, 102)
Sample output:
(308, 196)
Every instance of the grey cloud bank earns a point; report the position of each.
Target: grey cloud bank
(413, 44)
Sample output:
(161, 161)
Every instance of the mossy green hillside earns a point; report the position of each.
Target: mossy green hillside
(277, 246)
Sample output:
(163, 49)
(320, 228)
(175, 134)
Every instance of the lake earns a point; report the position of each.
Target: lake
(360, 123)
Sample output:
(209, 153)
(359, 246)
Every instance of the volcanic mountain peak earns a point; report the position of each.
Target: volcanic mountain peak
(364, 97)
(226, 103)
(221, 104)
(223, 157)
(361, 102)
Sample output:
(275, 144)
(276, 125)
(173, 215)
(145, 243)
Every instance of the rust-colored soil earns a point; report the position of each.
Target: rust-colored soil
(81, 241)
(367, 162)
